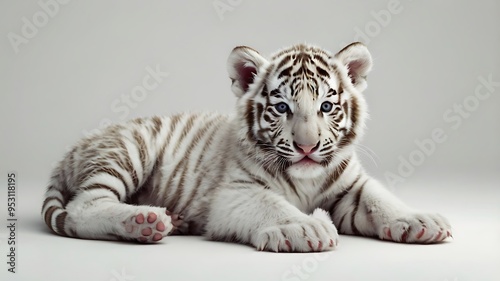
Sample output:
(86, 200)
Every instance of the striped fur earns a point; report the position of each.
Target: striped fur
(254, 177)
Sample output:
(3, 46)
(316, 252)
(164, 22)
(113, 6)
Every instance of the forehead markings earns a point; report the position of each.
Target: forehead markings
(310, 64)
(284, 61)
(331, 92)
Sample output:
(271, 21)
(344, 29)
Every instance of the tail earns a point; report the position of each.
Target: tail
(54, 212)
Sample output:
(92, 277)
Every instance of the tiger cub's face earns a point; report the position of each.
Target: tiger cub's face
(303, 107)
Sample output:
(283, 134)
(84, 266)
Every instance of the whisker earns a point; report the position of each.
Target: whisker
(369, 153)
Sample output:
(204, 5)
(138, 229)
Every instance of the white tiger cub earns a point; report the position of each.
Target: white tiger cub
(252, 178)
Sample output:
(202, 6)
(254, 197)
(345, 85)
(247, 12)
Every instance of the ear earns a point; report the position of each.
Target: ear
(358, 62)
(243, 65)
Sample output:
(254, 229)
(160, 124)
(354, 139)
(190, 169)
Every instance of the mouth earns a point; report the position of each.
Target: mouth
(305, 168)
(306, 161)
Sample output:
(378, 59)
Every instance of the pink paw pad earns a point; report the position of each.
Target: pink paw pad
(157, 237)
(147, 231)
(148, 227)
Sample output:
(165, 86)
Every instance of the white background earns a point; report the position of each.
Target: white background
(74, 70)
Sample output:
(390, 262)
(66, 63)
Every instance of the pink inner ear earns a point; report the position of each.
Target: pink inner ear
(246, 75)
(354, 69)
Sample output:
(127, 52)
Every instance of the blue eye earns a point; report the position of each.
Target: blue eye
(281, 107)
(326, 106)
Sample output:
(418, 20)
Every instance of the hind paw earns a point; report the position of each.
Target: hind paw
(149, 227)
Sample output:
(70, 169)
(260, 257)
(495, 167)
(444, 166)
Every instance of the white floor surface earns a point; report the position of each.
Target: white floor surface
(473, 253)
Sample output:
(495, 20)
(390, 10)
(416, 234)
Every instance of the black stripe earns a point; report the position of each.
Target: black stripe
(275, 92)
(291, 184)
(355, 211)
(142, 148)
(264, 91)
(117, 159)
(116, 174)
(185, 131)
(157, 125)
(184, 164)
(258, 181)
(260, 110)
(339, 226)
(331, 92)
(174, 120)
(194, 191)
(250, 119)
(67, 196)
(169, 185)
(174, 201)
(71, 163)
(97, 198)
(251, 175)
(156, 172)
(46, 201)
(48, 216)
(208, 142)
(284, 61)
(340, 196)
(351, 135)
(335, 175)
(138, 121)
(105, 187)
(129, 167)
(285, 72)
(241, 182)
(60, 223)
(322, 72)
(320, 59)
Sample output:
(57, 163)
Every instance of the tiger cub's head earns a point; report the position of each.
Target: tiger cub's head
(301, 110)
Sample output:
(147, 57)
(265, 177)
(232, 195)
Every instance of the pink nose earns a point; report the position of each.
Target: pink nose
(306, 148)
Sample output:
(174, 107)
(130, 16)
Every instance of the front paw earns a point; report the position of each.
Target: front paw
(309, 234)
(416, 228)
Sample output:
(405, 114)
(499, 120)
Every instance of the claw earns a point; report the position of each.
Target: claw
(404, 236)
(388, 233)
(421, 233)
(439, 236)
(310, 245)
